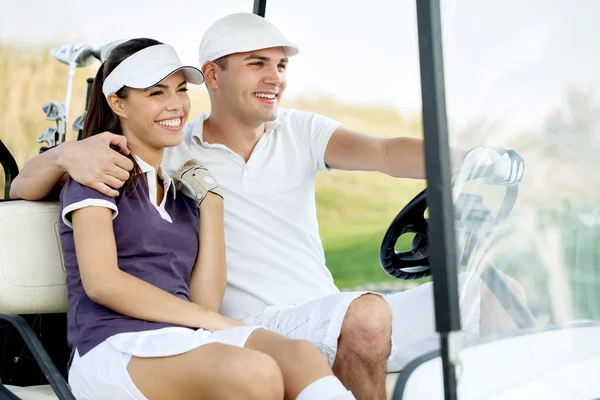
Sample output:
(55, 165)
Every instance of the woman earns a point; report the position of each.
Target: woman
(146, 274)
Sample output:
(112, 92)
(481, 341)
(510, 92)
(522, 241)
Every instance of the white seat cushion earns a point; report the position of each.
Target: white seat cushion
(44, 392)
(32, 272)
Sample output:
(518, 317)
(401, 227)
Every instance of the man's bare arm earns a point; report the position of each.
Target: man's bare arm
(90, 162)
(38, 177)
(401, 157)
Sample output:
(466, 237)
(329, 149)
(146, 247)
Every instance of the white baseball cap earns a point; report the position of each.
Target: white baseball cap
(148, 67)
(239, 33)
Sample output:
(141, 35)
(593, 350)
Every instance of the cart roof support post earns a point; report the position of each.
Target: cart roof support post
(260, 7)
(439, 189)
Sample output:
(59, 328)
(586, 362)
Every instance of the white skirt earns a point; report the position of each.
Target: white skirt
(101, 374)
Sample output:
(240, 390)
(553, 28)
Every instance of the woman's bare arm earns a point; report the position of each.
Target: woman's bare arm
(209, 277)
(124, 293)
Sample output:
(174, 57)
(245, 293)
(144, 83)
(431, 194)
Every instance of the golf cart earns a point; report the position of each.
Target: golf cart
(543, 345)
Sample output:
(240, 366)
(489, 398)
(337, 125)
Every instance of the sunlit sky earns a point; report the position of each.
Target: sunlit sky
(503, 58)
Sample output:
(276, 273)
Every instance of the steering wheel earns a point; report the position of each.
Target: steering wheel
(414, 264)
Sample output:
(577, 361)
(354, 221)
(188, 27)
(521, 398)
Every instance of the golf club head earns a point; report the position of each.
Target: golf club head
(54, 110)
(78, 54)
(102, 52)
(48, 136)
(78, 123)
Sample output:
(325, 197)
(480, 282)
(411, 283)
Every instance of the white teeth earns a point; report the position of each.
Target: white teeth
(170, 122)
(265, 95)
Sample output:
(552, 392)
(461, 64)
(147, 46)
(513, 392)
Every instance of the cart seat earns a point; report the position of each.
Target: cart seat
(32, 281)
(42, 392)
(32, 272)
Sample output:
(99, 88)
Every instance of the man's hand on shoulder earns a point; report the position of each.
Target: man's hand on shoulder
(92, 162)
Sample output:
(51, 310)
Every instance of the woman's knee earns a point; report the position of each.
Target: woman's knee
(218, 371)
(298, 351)
(236, 373)
(259, 377)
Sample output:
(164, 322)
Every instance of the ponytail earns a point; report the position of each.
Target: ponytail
(100, 117)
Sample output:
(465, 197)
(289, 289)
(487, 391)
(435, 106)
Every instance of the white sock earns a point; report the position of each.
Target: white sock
(326, 388)
(345, 396)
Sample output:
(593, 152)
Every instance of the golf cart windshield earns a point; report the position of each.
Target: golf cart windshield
(535, 88)
(527, 255)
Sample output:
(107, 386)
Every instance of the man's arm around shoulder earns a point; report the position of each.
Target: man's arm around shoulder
(90, 162)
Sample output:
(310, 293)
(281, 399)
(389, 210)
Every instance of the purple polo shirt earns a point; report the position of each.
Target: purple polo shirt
(149, 247)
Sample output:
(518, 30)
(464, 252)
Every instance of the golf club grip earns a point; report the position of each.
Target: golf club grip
(90, 83)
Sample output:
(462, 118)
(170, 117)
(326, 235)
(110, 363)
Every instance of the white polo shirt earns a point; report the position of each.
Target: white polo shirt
(274, 251)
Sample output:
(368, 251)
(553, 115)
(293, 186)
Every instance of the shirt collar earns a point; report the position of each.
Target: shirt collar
(146, 168)
(270, 127)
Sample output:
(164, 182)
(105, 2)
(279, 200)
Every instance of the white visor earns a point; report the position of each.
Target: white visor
(148, 67)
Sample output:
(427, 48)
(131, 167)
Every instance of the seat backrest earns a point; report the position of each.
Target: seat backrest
(32, 271)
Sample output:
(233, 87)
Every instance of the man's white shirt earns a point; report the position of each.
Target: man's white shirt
(274, 251)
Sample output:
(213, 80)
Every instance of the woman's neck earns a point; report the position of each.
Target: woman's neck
(151, 156)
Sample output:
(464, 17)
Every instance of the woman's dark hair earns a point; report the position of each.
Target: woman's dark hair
(100, 117)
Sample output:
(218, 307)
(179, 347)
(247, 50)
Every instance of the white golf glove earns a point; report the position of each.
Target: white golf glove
(497, 165)
(195, 181)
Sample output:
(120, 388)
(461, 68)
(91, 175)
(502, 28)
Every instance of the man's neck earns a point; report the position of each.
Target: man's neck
(239, 136)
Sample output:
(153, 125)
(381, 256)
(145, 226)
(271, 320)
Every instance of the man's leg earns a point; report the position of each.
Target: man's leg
(358, 322)
(413, 321)
(493, 317)
(364, 346)
(413, 325)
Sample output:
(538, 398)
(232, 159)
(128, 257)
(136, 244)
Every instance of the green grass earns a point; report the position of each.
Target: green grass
(356, 262)
(355, 210)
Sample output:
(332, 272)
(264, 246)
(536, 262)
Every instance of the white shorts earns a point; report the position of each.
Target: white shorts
(101, 374)
(413, 320)
(318, 321)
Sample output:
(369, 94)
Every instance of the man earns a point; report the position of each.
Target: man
(266, 159)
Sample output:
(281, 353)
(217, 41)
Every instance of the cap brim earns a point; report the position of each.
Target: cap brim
(289, 48)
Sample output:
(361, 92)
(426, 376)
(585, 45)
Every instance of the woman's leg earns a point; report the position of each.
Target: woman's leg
(212, 371)
(300, 361)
